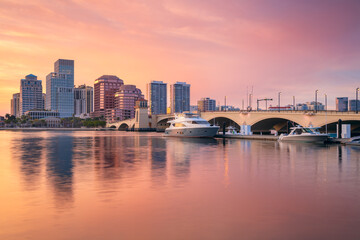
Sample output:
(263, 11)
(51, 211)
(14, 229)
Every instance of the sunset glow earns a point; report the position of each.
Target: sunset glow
(218, 47)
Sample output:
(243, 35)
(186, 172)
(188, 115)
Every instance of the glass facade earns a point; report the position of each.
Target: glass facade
(157, 96)
(30, 94)
(342, 104)
(180, 97)
(60, 88)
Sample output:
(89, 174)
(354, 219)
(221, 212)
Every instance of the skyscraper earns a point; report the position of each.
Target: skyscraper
(206, 104)
(125, 100)
(342, 104)
(60, 88)
(157, 96)
(105, 88)
(15, 105)
(180, 97)
(83, 100)
(30, 94)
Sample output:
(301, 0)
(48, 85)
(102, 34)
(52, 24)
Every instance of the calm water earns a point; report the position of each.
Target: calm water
(118, 185)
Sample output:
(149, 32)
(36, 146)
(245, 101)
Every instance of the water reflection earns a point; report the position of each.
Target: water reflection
(29, 151)
(59, 168)
(193, 188)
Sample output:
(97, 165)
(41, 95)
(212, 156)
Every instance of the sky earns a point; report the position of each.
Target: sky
(222, 48)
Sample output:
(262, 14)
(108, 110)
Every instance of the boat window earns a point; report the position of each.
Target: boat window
(179, 125)
(200, 122)
(298, 131)
(307, 130)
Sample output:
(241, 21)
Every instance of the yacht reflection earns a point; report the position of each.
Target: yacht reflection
(29, 152)
(59, 168)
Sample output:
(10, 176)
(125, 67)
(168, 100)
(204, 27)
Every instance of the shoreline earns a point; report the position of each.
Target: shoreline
(56, 129)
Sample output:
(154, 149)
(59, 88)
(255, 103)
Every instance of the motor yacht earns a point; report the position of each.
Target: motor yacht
(304, 134)
(190, 125)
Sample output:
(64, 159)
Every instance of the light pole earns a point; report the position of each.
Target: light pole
(316, 92)
(294, 103)
(279, 101)
(325, 113)
(356, 102)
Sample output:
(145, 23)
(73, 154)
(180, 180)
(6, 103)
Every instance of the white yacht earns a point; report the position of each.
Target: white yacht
(190, 125)
(304, 134)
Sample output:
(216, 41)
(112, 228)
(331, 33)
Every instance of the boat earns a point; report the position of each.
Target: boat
(304, 134)
(354, 141)
(230, 131)
(190, 125)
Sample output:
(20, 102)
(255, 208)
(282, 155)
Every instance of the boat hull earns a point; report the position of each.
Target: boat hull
(306, 138)
(191, 132)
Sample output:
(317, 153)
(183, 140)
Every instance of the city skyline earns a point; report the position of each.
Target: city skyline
(220, 49)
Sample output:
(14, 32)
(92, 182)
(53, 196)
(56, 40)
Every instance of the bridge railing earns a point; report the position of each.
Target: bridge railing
(287, 111)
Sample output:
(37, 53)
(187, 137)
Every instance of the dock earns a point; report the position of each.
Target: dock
(250, 137)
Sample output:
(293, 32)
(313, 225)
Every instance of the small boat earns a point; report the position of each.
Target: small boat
(190, 125)
(230, 131)
(304, 134)
(354, 141)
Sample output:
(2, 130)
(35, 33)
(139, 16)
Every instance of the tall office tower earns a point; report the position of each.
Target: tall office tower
(105, 88)
(83, 100)
(342, 104)
(352, 105)
(30, 94)
(60, 88)
(180, 97)
(125, 101)
(206, 104)
(15, 105)
(157, 96)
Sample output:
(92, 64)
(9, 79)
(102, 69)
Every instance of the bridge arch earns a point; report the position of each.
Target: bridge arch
(219, 121)
(163, 123)
(123, 127)
(276, 123)
(331, 126)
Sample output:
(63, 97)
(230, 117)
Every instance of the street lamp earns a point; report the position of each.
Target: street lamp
(279, 101)
(326, 113)
(356, 102)
(316, 92)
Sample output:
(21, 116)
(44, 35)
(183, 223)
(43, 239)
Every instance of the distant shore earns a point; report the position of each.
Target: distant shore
(58, 129)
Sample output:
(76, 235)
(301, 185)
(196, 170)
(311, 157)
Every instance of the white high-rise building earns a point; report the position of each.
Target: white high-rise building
(30, 94)
(83, 100)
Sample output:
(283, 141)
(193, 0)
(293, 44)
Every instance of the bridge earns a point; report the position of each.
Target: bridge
(260, 121)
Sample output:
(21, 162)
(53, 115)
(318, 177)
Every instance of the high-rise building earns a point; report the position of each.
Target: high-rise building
(157, 96)
(83, 100)
(15, 105)
(180, 97)
(60, 88)
(105, 88)
(125, 100)
(342, 104)
(352, 105)
(206, 104)
(30, 94)
(44, 100)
